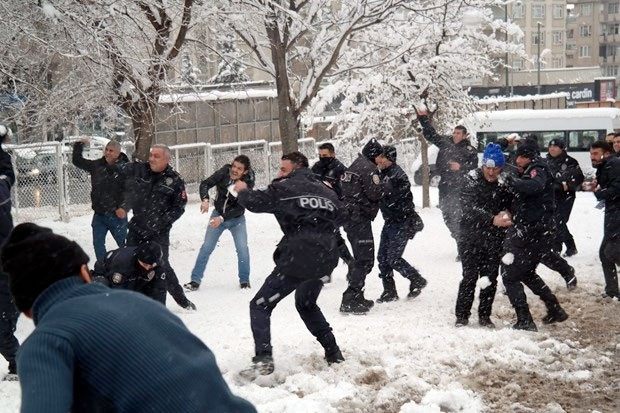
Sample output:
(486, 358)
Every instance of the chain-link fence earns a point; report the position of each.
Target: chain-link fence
(48, 185)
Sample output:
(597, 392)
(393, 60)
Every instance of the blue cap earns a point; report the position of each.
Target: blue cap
(493, 156)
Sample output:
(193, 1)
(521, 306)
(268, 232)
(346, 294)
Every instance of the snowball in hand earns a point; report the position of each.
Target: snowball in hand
(508, 258)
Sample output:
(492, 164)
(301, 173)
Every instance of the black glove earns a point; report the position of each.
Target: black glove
(414, 225)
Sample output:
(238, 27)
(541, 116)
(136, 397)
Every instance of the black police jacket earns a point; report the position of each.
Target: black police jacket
(308, 213)
(361, 189)
(6, 167)
(463, 153)
(7, 179)
(225, 203)
(157, 199)
(397, 202)
(608, 179)
(565, 168)
(330, 170)
(120, 269)
(482, 201)
(107, 186)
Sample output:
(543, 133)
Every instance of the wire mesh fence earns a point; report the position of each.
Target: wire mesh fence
(49, 186)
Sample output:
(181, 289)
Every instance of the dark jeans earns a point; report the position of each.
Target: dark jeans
(450, 205)
(608, 261)
(394, 238)
(102, 223)
(172, 282)
(362, 242)
(478, 260)
(8, 322)
(276, 287)
(563, 210)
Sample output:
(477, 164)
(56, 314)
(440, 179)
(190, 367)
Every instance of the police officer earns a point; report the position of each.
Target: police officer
(309, 214)
(330, 170)
(401, 224)
(157, 195)
(526, 240)
(361, 189)
(606, 188)
(455, 159)
(134, 268)
(486, 216)
(567, 179)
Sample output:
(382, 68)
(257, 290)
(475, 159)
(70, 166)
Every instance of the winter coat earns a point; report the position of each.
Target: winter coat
(565, 168)
(463, 153)
(308, 213)
(120, 269)
(157, 199)
(7, 173)
(7, 179)
(225, 203)
(608, 179)
(361, 189)
(100, 350)
(482, 201)
(332, 171)
(107, 186)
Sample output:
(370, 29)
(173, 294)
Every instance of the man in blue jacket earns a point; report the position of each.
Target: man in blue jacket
(100, 350)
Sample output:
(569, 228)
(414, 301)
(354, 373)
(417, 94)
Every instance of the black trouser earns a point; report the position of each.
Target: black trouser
(555, 262)
(478, 260)
(609, 257)
(343, 250)
(172, 282)
(563, 210)
(8, 322)
(527, 245)
(390, 255)
(450, 205)
(362, 242)
(276, 287)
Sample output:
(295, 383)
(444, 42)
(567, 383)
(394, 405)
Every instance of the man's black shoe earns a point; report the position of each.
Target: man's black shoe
(461, 322)
(244, 285)
(334, 357)
(557, 316)
(570, 252)
(355, 307)
(191, 286)
(416, 287)
(486, 322)
(526, 325)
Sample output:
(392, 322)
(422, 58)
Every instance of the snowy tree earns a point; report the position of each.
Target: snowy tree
(189, 74)
(230, 68)
(69, 59)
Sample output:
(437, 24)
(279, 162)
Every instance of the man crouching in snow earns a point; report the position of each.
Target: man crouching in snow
(309, 214)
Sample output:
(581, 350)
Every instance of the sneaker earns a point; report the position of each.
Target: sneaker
(526, 325)
(191, 286)
(244, 285)
(570, 252)
(557, 316)
(486, 322)
(334, 357)
(461, 322)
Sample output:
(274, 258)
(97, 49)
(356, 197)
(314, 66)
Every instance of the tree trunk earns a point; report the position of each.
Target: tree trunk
(426, 199)
(144, 131)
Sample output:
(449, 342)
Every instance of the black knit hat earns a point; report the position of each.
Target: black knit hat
(528, 149)
(35, 258)
(557, 142)
(149, 253)
(389, 152)
(372, 149)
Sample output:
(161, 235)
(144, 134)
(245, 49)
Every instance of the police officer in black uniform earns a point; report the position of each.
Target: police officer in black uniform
(309, 214)
(156, 193)
(330, 170)
(455, 159)
(486, 216)
(362, 191)
(606, 188)
(527, 240)
(567, 179)
(8, 312)
(134, 268)
(401, 224)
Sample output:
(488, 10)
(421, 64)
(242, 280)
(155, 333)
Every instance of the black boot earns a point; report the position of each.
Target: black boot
(555, 314)
(262, 365)
(333, 356)
(354, 302)
(571, 280)
(571, 248)
(389, 290)
(416, 287)
(524, 320)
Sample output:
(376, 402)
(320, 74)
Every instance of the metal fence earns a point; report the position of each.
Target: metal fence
(48, 185)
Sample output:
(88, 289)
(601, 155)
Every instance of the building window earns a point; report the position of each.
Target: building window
(586, 9)
(611, 70)
(556, 62)
(535, 38)
(518, 64)
(584, 51)
(538, 11)
(558, 11)
(613, 8)
(613, 28)
(518, 11)
(570, 33)
(558, 37)
(585, 31)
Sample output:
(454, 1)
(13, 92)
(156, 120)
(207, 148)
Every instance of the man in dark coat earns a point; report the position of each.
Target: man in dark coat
(8, 312)
(227, 215)
(527, 240)
(606, 188)
(401, 223)
(156, 193)
(309, 214)
(362, 191)
(486, 216)
(455, 159)
(134, 268)
(567, 179)
(330, 170)
(107, 194)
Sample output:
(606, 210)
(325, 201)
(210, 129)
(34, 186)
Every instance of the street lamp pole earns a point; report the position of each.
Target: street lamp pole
(538, 60)
(506, 57)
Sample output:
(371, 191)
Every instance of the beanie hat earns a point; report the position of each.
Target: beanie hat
(35, 258)
(493, 156)
(557, 142)
(529, 149)
(149, 253)
(372, 149)
(389, 152)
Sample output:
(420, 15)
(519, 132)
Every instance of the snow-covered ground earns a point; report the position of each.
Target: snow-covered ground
(405, 356)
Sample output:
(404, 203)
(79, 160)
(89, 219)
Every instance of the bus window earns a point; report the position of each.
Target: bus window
(581, 140)
(545, 137)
